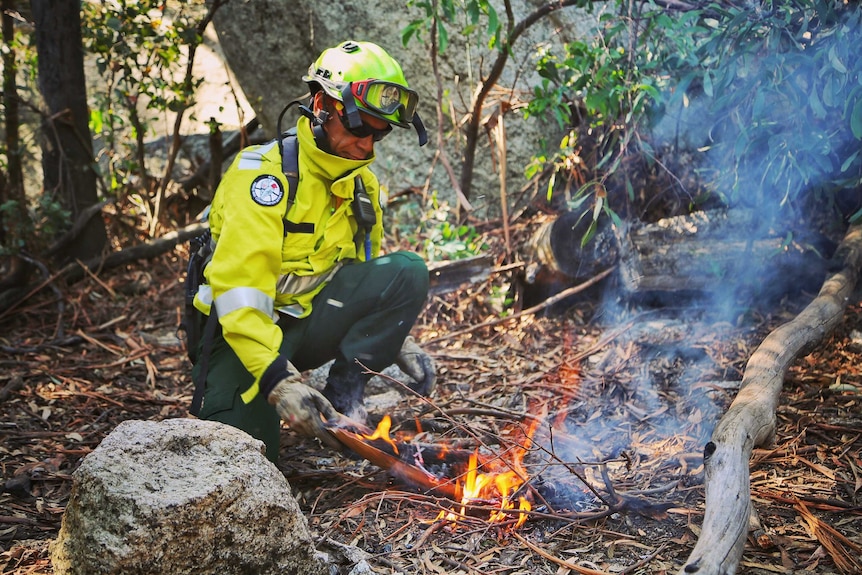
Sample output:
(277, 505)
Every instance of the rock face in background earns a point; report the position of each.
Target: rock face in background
(182, 496)
(269, 45)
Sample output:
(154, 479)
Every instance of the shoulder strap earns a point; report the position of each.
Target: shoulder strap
(290, 165)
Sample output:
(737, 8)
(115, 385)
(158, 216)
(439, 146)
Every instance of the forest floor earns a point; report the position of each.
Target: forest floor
(622, 402)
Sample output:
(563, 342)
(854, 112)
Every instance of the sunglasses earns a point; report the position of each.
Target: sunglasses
(363, 130)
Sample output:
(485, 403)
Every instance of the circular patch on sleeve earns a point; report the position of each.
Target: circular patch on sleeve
(266, 190)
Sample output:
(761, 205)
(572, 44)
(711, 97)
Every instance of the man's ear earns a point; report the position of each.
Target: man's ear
(318, 102)
(320, 114)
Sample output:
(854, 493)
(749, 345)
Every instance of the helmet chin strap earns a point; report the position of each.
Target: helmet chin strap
(420, 129)
(317, 122)
(351, 110)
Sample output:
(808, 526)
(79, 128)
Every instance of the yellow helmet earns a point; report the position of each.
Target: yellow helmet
(364, 77)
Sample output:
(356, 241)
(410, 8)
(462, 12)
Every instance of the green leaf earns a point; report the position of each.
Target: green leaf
(473, 11)
(856, 120)
(816, 105)
(442, 37)
(615, 218)
(836, 62)
(493, 21)
(412, 29)
(849, 161)
(551, 181)
(707, 84)
(597, 208)
(588, 235)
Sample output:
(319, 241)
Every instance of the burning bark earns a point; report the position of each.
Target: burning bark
(426, 467)
(751, 421)
(466, 477)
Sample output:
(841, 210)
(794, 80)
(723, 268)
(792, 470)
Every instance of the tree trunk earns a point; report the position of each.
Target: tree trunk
(750, 420)
(67, 146)
(13, 223)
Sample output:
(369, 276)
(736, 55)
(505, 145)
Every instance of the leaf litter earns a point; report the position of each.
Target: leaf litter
(615, 466)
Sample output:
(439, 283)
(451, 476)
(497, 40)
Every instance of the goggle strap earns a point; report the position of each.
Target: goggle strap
(351, 110)
(420, 129)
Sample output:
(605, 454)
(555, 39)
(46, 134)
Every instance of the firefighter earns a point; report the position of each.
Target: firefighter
(297, 282)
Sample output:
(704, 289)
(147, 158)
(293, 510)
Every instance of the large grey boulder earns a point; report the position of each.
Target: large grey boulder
(182, 496)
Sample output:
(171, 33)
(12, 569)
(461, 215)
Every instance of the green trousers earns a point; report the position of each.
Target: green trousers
(363, 314)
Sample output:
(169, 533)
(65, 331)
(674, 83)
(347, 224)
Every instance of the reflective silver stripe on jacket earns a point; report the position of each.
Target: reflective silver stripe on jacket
(252, 159)
(292, 284)
(244, 297)
(205, 294)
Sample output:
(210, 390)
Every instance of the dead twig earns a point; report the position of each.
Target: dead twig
(16, 383)
(557, 560)
(529, 311)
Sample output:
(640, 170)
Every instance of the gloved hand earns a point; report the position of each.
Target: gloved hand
(418, 365)
(301, 407)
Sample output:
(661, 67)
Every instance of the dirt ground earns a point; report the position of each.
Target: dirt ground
(616, 492)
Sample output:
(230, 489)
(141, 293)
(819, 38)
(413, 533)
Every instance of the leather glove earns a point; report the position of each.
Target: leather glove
(418, 365)
(301, 407)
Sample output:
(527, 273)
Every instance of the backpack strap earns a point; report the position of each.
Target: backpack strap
(290, 167)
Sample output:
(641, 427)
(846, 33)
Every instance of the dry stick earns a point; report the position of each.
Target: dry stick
(557, 560)
(96, 279)
(499, 132)
(16, 383)
(446, 415)
(47, 281)
(536, 308)
(835, 543)
(644, 561)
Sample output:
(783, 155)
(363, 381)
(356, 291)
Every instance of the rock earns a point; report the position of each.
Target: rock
(182, 496)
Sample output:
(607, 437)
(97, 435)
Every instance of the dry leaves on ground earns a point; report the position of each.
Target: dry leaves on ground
(624, 402)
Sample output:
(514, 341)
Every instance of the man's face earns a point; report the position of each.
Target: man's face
(344, 143)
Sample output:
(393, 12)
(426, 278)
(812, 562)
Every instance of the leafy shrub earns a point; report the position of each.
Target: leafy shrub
(781, 83)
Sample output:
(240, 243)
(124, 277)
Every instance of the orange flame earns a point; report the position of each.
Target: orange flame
(486, 485)
(492, 486)
(382, 432)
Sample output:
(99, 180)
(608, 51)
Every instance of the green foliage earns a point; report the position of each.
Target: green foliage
(786, 94)
(140, 48)
(32, 227)
(600, 74)
(465, 15)
(597, 88)
(445, 240)
(782, 83)
(501, 299)
(50, 217)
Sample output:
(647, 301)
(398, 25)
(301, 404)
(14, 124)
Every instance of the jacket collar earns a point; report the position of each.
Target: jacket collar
(323, 164)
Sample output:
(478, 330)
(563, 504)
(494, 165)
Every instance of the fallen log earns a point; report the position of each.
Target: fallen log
(449, 275)
(693, 254)
(750, 421)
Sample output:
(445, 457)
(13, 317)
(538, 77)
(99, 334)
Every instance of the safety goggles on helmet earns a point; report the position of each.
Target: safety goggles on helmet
(386, 98)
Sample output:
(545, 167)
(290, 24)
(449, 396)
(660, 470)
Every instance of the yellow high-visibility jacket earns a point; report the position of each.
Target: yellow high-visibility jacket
(267, 260)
